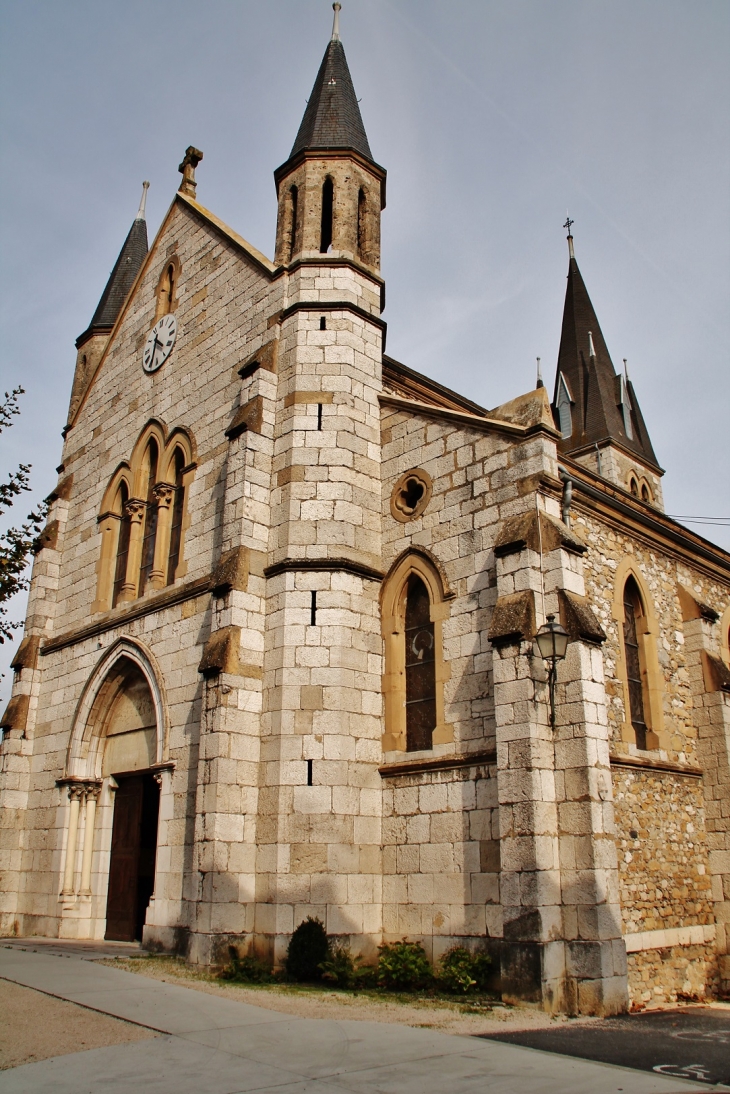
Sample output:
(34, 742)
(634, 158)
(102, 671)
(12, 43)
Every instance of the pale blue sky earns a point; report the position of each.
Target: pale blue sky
(492, 118)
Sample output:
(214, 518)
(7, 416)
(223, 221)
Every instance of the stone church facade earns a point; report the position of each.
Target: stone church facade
(279, 651)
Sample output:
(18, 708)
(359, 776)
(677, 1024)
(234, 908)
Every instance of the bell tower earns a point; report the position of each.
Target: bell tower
(318, 829)
(330, 191)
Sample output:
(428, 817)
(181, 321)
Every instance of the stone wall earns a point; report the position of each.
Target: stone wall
(673, 973)
(441, 857)
(663, 872)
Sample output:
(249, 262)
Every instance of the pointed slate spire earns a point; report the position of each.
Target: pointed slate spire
(332, 118)
(603, 406)
(121, 279)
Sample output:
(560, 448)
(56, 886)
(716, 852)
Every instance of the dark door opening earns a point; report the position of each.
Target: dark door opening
(134, 849)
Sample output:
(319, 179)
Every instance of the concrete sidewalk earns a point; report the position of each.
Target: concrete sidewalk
(222, 1046)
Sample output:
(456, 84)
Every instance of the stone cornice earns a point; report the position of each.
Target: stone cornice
(626, 514)
(348, 565)
(110, 621)
(439, 763)
(484, 425)
(335, 305)
(659, 766)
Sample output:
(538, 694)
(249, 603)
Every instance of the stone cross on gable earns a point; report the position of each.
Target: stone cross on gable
(193, 156)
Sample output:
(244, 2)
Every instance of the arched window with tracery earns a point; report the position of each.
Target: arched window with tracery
(150, 516)
(415, 601)
(420, 667)
(636, 676)
(178, 508)
(120, 565)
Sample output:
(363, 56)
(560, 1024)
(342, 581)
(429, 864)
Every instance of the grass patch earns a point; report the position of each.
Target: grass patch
(167, 966)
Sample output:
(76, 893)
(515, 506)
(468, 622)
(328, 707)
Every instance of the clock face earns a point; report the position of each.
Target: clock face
(160, 341)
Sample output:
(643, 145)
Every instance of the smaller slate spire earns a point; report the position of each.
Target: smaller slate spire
(121, 279)
(332, 118)
(592, 404)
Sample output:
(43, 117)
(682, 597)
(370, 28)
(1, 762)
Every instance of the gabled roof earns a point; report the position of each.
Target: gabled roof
(596, 391)
(121, 279)
(332, 118)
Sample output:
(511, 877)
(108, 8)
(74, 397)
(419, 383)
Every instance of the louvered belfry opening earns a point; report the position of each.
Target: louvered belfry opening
(420, 668)
(633, 612)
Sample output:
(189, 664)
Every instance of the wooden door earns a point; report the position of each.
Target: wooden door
(121, 905)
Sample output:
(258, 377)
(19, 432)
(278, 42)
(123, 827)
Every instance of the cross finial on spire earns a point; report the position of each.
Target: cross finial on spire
(142, 202)
(336, 22)
(569, 224)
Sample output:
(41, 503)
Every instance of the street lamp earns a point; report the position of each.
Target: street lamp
(552, 642)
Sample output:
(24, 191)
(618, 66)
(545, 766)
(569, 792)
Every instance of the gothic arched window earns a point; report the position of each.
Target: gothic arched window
(167, 288)
(120, 566)
(178, 507)
(636, 677)
(420, 667)
(150, 517)
(414, 604)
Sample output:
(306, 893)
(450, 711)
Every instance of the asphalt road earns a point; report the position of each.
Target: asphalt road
(686, 1043)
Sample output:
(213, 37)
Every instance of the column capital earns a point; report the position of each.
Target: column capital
(164, 494)
(135, 510)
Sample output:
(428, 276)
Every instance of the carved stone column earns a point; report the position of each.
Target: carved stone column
(75, 792)
(135, 510)
(164, 495)
(92, 797)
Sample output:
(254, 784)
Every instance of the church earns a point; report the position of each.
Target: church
(282, 652)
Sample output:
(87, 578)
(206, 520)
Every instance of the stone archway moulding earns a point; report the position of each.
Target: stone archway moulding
(84, 756)
(392, 609)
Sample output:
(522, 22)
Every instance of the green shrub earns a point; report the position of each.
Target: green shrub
(343, 970)
(403, 966)
(308, 949)
(248, 970)
(462, 972)
(339, 968)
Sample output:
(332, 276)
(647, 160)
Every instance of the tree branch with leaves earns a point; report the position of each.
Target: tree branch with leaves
(16, 544)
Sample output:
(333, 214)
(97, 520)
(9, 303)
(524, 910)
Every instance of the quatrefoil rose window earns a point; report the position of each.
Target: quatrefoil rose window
(411, 494)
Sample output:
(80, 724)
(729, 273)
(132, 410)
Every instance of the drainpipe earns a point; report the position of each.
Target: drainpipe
(567, 498)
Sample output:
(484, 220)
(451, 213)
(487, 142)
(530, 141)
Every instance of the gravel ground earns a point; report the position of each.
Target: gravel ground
(305, 1002)
(34, 1026)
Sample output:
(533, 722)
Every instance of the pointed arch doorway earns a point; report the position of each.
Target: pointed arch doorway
(130, 750)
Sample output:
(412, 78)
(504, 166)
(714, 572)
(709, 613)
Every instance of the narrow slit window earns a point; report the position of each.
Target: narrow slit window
(361, 223)
(150, 520)
(328, 200)
(310, 772)
(322, 323)
(177, 518)
(120, 568)
(313, 609)
(635, 673)
(293, 200)
(319, 416)
(420, 662)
